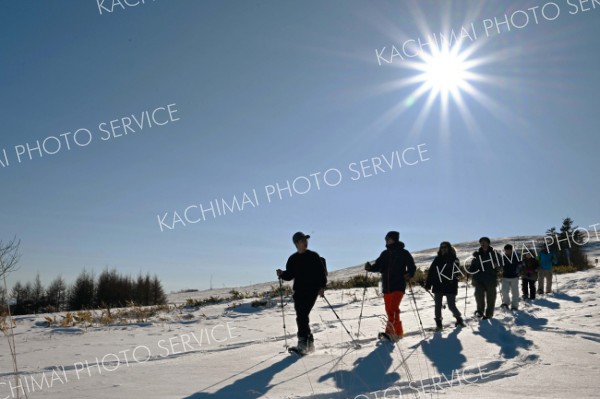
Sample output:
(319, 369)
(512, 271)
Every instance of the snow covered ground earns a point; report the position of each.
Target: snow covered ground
(551, 349)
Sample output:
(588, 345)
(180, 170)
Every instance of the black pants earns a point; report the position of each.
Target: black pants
(528, 287)
(451, 299)
(485, 297)
(303, 304)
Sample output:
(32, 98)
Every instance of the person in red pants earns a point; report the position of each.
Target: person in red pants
(396, 266)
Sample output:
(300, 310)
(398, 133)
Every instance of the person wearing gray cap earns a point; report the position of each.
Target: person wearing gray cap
(309, 272)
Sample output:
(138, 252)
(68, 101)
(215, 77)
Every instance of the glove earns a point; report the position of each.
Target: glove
(368, 266)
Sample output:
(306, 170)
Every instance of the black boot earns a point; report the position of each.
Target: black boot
(438, 325)
(302, 345)
(311, 343)
(459, 322)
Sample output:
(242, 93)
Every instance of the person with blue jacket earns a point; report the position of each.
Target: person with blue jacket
(546, 260)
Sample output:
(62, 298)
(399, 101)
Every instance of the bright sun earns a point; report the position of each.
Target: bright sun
(444, 72)
(448, 74)
(447, 78)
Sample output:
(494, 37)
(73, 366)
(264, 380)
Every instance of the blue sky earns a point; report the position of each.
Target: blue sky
(267, 91)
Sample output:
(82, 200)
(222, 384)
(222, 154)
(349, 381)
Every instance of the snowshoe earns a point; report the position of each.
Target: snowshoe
(296, 350)
(303, 347)
(388, 337)
(311, 343)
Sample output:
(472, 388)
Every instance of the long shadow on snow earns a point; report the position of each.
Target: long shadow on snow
(445, 353)
(496, 333)
(370, 369)
(251, 386)
(546, 303)
(567, 297)
(370, 373)
(525, 319)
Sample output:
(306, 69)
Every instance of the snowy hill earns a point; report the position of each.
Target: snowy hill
(422, 258)
(551, 349)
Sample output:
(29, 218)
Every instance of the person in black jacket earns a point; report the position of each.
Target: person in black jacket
(396, 266)
(511, 267)
(485, 280)
(309, 273)
(529, 271)
(442, 277)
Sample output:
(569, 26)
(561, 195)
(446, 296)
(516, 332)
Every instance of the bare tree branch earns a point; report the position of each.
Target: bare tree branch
(9, 256)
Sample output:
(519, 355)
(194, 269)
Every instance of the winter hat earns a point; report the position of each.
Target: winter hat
(485, 239)
(394, 235)
(299, 236)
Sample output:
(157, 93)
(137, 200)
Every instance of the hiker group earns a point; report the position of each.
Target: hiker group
(397, 267)
(484, 271)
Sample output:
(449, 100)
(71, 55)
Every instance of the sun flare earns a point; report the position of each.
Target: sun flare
(444, 71)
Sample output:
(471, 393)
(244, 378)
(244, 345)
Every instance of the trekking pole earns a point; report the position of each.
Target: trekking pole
(432, 297)
(412, 293)
(363, 302)
(466, 294)
(283, 312)
(356, 344)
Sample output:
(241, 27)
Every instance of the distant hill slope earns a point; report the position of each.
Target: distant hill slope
(423, 259)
